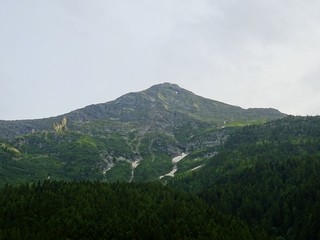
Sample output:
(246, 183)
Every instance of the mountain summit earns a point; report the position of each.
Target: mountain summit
(164, 106)
(166, 100)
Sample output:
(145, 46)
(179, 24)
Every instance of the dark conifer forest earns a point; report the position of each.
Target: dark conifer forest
(267, 175)
(94, 210)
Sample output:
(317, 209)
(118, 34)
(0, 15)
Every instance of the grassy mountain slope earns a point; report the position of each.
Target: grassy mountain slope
(132, 138)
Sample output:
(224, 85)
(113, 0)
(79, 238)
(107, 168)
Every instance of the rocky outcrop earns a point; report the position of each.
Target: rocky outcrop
(62, 126)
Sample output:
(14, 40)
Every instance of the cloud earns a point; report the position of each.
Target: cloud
(251, 53)
(64, 55)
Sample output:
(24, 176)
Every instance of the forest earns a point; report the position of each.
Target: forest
(268, 176)
(95, 210)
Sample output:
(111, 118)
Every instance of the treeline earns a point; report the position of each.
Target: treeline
(95, 210)
(269, 176)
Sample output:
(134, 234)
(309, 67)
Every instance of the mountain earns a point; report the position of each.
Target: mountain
(258, 167)
(136, 137)
(164, 107)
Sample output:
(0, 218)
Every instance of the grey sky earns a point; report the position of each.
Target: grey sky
(57, 56)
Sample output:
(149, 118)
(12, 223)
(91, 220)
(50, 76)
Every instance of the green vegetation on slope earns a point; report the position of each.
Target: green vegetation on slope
(267, 175)
(106, 141)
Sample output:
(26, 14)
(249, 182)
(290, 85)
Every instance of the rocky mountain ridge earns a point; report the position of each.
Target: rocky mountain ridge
(164, 106)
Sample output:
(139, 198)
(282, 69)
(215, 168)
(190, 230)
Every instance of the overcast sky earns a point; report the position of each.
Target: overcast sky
(57, 56)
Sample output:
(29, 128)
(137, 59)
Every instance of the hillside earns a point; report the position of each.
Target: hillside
(256, 165)
(133, 138)
(268, 175)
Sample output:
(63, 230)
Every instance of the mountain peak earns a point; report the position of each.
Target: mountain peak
(165, 85)
(164, 105)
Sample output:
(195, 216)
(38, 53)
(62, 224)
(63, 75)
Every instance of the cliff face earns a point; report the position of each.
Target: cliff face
(61, 127)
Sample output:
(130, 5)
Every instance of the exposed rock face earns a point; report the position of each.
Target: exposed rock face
(61, 127)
